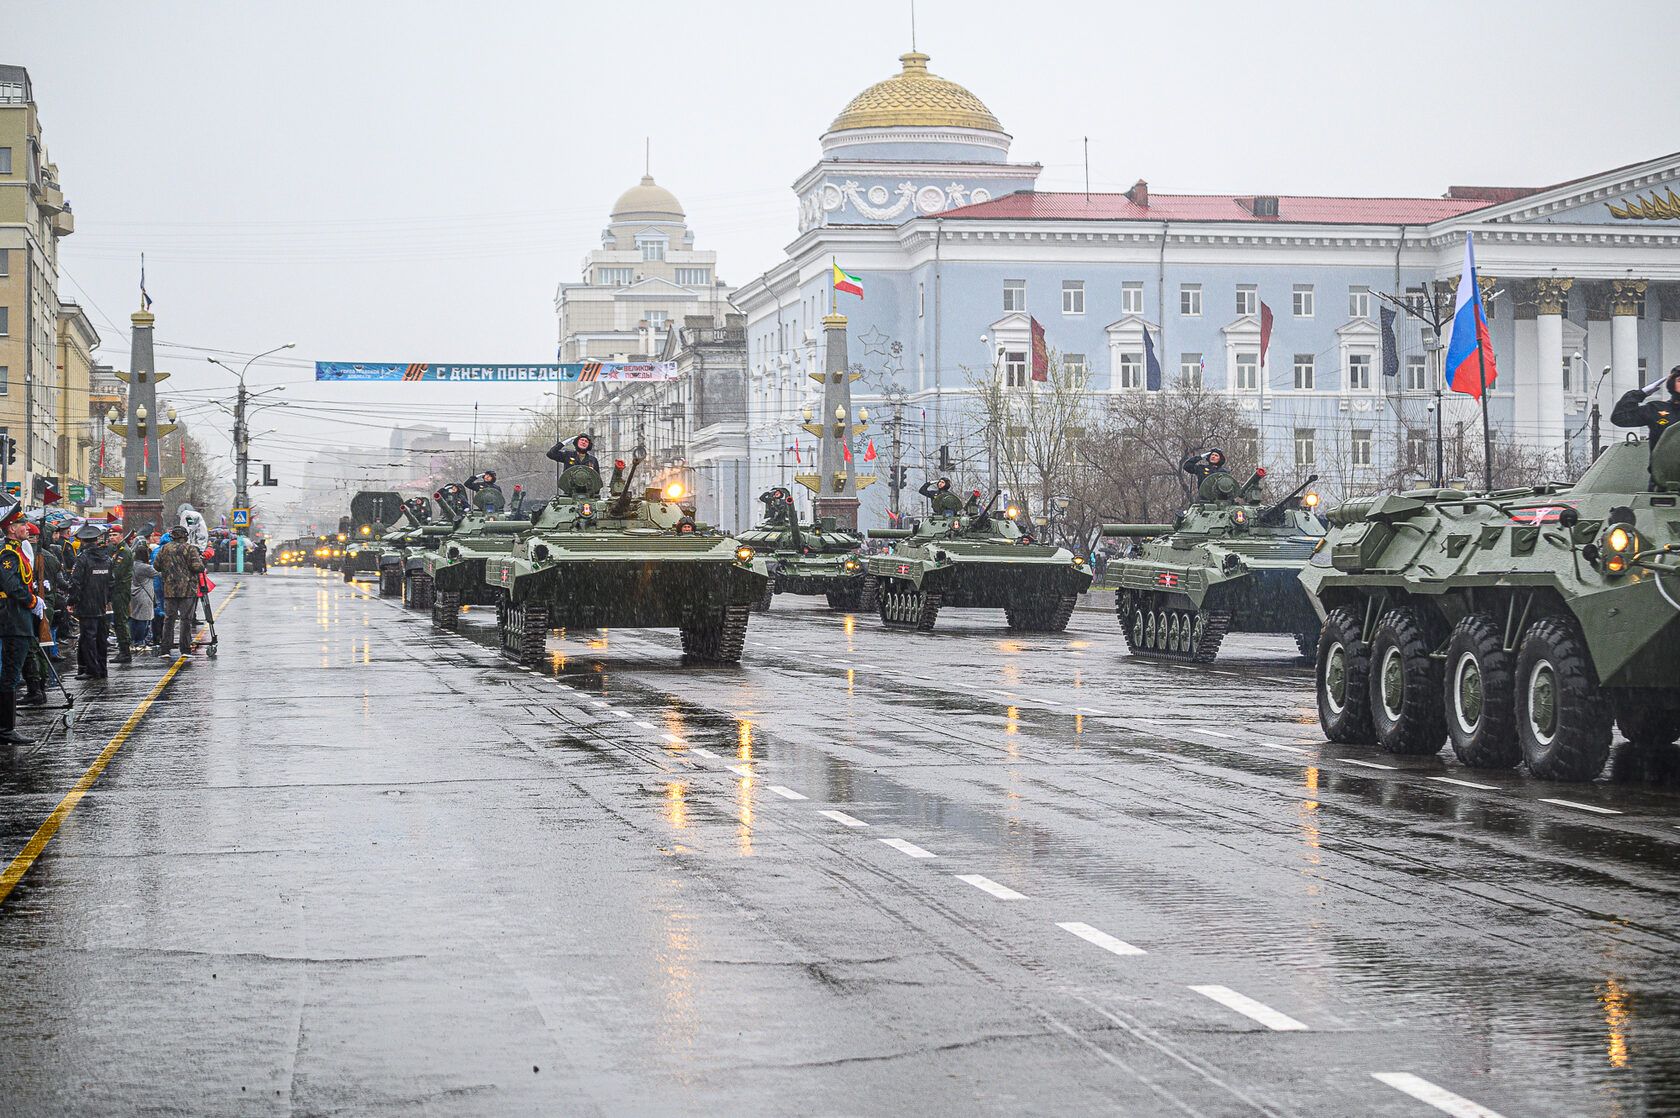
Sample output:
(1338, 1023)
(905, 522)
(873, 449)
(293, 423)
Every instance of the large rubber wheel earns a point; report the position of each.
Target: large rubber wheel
(1480, 694)
(1645, 721)
(1343, 672)
(1563, 716)
(1405, 686)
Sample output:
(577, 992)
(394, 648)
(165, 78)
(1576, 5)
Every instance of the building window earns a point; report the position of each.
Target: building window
(653, 248)
(1248, 445)
(5, 262)
(658, 319)
(1568, 362)
(5, 161)
(1361, 448)
(5, 321)
(1417, 447)
(1131, 370)
(921, 299)
(1359, 302)
(615, 277)
(1248, 299)
(1190, 300)
(1014, 295)
(1076, 367)
(1416, 300)
(1190, 370)
(1015, 368)
(1303, 300)
(1306, 446)
(1303, 372)
(1417, 374)
(1073, 296)
(1248, 372)
(1359, 373)
(694, 277)
(5, 380)
(1131, 298)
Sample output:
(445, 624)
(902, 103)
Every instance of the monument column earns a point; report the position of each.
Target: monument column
(142, 480)
(1625, 297)
(1549, 297)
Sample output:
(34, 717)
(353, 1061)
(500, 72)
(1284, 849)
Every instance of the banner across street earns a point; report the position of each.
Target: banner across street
(581, 371)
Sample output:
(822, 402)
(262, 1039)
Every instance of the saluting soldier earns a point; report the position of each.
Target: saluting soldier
(486, 494)
(20, 606)
(1656, 416)
(580, 453)
(945, 502)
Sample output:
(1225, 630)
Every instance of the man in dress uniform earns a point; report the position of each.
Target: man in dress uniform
(20, 607)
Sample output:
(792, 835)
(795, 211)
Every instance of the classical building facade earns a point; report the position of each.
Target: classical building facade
(33, 218)
(958, 253)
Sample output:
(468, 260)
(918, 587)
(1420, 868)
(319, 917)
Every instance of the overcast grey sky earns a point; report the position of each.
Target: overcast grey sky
(409, 181)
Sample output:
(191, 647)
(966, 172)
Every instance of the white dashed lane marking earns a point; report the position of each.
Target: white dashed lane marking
(1367, 764)
(1594, 808)
(1438, 1097)
(700, 751)
(622, 713)
(842, 817)
(674, 737)
(1091, 710)
(987, 885)
(785, 793)
(1100, 938)
(1248, 1007)
(646, 725)
(1466, 783)
(909, 848)
(1285, 748)
(741, 770)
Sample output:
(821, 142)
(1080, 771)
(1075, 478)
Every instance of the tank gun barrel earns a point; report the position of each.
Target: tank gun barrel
(1253, 483)
(1272, 510)
(889, 533)
(1351, 512)
(622, 505)
(1136, 531)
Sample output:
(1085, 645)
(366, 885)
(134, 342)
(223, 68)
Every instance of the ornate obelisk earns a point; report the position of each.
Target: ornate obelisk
(142, 480)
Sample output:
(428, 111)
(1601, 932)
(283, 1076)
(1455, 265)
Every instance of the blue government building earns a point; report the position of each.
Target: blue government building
(915, 194)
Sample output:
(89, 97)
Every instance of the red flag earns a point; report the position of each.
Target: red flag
(1040, 352)
(869, 453)
(184, 453)
(1265, 332)
(796, 457)
(846, 448)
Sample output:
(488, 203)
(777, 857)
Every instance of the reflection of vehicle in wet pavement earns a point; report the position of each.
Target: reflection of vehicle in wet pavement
(1226, 564)
(1046, 870)
(1517, 624)
(975, 560)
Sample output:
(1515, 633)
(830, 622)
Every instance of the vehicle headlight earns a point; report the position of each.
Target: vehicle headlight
(1620, 539)
(1079, 560)
(1012, 512)
(1310, 500)
(744, 553)
(673, 491)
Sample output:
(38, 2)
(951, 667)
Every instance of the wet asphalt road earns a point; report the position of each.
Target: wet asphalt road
(357, 866)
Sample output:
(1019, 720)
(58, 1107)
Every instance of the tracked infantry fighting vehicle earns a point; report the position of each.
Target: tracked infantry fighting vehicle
(1226, 564)
(633, 560)
(372, 514)
(1518, 624)
(403, 541)
(815, 558)
(453, 565)
(974, 559)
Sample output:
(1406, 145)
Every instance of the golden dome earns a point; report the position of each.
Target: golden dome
(915, 97)
(648, 202)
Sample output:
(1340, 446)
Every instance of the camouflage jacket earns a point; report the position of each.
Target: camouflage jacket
(179, 564)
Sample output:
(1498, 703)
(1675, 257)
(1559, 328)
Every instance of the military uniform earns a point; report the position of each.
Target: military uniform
(90, 597)
(580, 453)
(18, 601)
(945, 502)
(179, 564)
(1656, 416)
(1214, 482)
(122, 592)
(486, 494)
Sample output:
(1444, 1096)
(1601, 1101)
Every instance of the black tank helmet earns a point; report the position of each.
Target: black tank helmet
(1216, 456)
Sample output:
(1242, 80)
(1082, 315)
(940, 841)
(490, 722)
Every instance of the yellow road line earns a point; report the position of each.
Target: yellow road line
(44, 833)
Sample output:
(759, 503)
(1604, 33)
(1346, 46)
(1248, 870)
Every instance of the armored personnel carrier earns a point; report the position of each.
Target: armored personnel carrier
(1517, 624)
(453, 565)
(1226, 564)
(818, 558)
(628, 560)
(372, 513)
(974, 559)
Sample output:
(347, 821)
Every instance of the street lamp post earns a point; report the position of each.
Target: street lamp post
(241, 433)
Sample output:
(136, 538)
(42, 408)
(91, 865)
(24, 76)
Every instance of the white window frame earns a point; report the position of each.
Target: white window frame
(652, 247)
(686, 277)
(1417, 373)
(1417, 446)
(1359, 448)
(1247, 447)
(1190, 300)
(1073, 297)
(1190, 370)
(1014, 296)
(1248, 298)
(1358, 361)
(1017, 370)
(1131, 297)
(1359, 301)
(1245, 372)
(1077, 367)
(1310, 366)
(5, 380)
(603, 272)
(1129, 373)
(1306, 437)
(1301, 300)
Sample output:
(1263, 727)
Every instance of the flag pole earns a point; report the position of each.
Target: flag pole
(1481, 368)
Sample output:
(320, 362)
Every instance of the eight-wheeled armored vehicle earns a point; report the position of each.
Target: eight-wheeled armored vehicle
(1517, 624)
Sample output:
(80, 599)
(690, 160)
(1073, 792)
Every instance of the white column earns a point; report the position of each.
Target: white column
(1524, 384)
(1624, 334)
(1548, 336)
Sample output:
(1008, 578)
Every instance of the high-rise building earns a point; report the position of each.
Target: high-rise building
(33, 217)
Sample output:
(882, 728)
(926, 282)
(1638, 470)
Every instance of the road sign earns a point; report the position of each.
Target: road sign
(78, 494)
(241, 518)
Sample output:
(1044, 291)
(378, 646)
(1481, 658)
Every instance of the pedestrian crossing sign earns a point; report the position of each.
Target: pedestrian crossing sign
(241, 518)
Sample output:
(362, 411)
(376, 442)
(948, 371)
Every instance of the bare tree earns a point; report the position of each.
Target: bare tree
(1035, 431)
(1133, 451)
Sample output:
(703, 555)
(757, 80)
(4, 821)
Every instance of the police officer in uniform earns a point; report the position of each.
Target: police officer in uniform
(90, 601)
(486, 494)
(580, 453)
(122, 590)
(20, 607)
(1657, 416)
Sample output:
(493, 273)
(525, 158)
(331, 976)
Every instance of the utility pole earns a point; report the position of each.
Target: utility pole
(241, 450)
(897, 421)
(1430, 313)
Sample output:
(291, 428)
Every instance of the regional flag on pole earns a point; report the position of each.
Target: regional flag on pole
(1040, 351)
(1469, 366)
(850, 284)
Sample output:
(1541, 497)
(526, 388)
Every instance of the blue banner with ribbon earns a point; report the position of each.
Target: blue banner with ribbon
(581, 372)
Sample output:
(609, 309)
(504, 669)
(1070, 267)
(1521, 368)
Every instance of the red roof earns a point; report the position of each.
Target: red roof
(1034, 205)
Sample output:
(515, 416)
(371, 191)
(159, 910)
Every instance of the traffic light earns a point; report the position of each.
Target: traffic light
(11, 451)
(901, 477)
(945, 463)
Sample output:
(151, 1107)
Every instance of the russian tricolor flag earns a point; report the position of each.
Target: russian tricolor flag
(1469, 350)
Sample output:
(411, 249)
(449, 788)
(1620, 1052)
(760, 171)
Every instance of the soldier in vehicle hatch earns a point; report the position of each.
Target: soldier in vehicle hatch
(580, 453)
(945, 502)
(1657, 416)
(1213, 481)
(486, 494)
